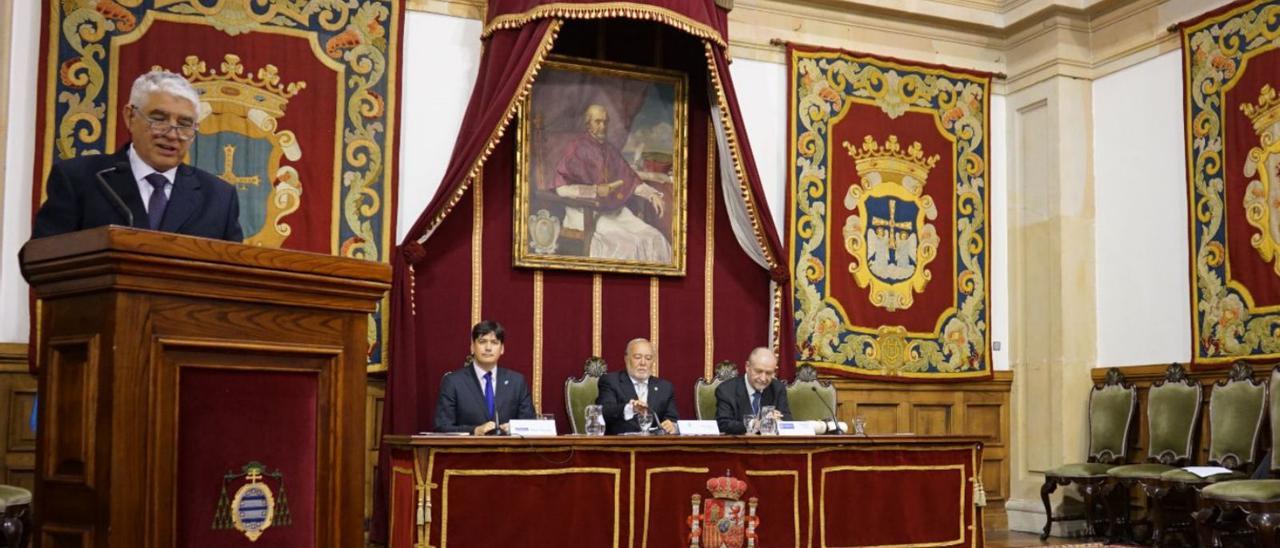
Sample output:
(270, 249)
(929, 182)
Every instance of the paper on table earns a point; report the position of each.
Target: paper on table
(1206, 471)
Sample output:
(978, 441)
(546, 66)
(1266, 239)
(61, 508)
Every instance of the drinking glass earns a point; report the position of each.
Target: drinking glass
(768, 421)
(859, 426)
(595, 420)
(751, 423)
(645, 418)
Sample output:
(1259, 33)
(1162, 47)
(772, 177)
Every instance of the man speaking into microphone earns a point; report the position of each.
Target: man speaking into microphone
(144, 184)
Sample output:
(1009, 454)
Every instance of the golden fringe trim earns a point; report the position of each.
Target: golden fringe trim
(526, 85)
(731, 133)
(776, 335)
(605, 10)
(709, 260)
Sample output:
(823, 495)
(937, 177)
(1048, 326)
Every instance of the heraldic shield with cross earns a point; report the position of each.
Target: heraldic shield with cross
(888, 216)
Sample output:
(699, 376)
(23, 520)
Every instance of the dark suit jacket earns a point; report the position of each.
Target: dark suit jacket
(461, 408)
(733, 403)
(200, 204)
(616, 390)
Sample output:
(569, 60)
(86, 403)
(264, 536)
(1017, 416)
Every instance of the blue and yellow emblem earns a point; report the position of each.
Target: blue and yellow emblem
(254, 508)
(889, 234)
(241, 142)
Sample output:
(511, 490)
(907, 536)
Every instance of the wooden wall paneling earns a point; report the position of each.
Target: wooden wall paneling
(17, 398)
(976, 408)
(375, 395)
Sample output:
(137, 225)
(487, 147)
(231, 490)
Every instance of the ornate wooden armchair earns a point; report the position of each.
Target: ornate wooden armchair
(1226, 507)
(811, 399)
(1173, 414)
(704, 391)
(1237, 406)
(1111, 409)
(581, 392)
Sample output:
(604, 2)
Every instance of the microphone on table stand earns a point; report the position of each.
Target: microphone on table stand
(835, 424)
(497, 425)
(115, 198)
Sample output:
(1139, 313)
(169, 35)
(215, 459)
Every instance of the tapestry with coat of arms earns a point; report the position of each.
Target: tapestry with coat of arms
(298, 103)
(887, 209)
(1231, 71)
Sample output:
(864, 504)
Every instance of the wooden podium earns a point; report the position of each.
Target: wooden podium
(193, 391)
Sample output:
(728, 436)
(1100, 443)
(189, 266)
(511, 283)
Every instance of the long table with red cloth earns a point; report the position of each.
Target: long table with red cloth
(636, 491)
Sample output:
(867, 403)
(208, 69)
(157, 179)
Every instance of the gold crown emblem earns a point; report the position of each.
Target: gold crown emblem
(1266, 113)
(230, 90)
(890, 158)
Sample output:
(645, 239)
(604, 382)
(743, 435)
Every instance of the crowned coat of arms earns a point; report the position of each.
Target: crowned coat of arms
(723, 520)
(1262, 196)
(889, 234)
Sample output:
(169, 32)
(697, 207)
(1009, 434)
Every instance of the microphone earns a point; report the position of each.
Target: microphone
(834, 422)
(115, 198)
(497, 424)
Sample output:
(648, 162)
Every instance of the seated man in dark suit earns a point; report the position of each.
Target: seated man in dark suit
(625, 393)
(144, 184)
(758, 388)
(478, 397)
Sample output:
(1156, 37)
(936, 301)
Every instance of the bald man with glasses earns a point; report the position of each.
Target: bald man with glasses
(145, 184)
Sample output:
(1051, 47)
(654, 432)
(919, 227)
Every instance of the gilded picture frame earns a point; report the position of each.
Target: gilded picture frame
(601, 176)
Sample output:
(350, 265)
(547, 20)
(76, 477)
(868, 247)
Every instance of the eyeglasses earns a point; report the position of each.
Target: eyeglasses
(184, 131)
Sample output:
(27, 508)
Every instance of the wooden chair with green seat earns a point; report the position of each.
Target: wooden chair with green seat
(1173, 415)
(1237, 406)
(811, 399)
(704, 391)
(1227, 507)
(579, 393)
(15, 523)
(1112, 406)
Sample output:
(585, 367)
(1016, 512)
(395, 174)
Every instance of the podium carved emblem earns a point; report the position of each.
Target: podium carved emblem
(723, 520)
(254, 508)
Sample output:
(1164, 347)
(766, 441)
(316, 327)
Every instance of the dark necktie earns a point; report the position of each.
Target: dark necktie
(755, 403)
(488, 394)
(158, 202)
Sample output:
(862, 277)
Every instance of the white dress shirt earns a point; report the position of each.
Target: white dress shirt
(642, 394)
(140, 172)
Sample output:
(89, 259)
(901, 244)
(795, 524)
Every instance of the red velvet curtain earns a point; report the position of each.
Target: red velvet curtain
(550, 314)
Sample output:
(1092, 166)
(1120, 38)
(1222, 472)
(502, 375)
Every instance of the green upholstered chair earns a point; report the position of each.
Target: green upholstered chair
(1112, 406)
(1237, 406)
(15, 522)
(579, 393)
(811, 399)
(1249, 504)
(1173, 415)
(704, 391)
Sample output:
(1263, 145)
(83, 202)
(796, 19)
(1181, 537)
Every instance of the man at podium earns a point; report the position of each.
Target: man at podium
(481, 397)
(144, 184)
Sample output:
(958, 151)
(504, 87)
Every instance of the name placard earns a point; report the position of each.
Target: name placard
(533, 428)
(796, 428)
(698, 428)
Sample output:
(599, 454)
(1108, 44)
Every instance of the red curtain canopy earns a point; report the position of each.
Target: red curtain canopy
(730, 299)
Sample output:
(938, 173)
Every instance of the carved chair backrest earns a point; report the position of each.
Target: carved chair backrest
(1173, 413)
(1112, 406)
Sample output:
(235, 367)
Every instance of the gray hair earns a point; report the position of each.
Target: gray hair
(163, 82)
(632, 342)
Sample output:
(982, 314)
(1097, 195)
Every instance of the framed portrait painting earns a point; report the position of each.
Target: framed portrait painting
(601, 178)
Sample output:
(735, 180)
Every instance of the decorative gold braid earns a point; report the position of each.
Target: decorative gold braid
(709, 262)
(605, 10)
(653, 322)
(730, 135)
(526, 85)
(477, 251)
(537, 340)
(775, 336)
(597, 314)
(413, 297)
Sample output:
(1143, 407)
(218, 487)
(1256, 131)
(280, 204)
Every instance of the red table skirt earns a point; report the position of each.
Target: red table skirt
(615, 492)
